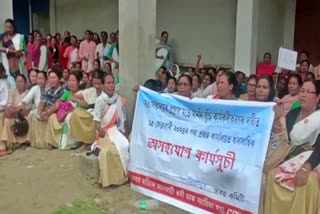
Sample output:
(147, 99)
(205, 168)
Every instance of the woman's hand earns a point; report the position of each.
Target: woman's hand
(135, 90)
(301, 177)
(101, 133)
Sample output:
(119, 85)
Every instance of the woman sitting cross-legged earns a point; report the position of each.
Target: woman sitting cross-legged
(110, 117)
(82, 125)
(58, 132)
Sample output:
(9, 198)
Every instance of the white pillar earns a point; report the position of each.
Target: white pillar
(6, 12)
(246, 36)
(289, 23)
(137, 27)
(52, 16)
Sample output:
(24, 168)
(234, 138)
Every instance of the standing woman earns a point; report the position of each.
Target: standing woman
(12, 50)
(4, 95)
(113, 54)
(62, 48)
(16, 96)
(110, 117)
(40, 54)
(71, 53)
(227, 87)
(53, 58)
(251, 89)
(265, 91)
(87, 52)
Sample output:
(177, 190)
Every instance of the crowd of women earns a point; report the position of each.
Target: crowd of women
(79, 106)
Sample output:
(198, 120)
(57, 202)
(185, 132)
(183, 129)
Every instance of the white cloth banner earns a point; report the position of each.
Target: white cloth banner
(203, 156)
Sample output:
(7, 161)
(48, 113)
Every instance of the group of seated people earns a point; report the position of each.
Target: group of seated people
(79, 107)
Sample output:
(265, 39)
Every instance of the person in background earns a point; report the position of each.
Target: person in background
(71, 53)
(96, 38)
(164, 81)
(304, 55)
(316, 72)
(12, 50)
(4, 96)
(53, 56)
(212, 89)
(169, 60)
(113, 38)
(85, 83)
(113, 53)
(266, 67)
(110, 117)
(87, 52)
(107, 68)
(30, 44)
(310, 76)
(185, 86)
(207, 80)
(293, 155)
(241, 79)
(172, 85)
(265, 90)
(282, 88)
(32, 77)
(66, 34)
(48, 39)
(175, 71)
(39, 54)
(227, 86)
(304, 69)
(16, 96)
(196, 86)
(63, 61)
(251, 89)
(58, 38)
(77, 65)
(191, 71)
(294, 84)
(103, 48)
(65, 75)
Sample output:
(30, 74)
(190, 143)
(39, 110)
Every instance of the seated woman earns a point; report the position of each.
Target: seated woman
(251, 89)
(58, 133)
(110, 117)
(293, 186)
(48, 99)
(265, 91)
(172, 85)
(241, 79)
(207, 80)
(185, 86)
(196, 85)
(13, 107)
(82, 125)
(227, 87)
(212, 89)
(33, 99)
(4, 95)
(294, 84)
(32, 77)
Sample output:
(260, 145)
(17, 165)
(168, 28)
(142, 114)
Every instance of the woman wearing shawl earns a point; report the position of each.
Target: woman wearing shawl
(82, 125)
(12, 48)
(113, 54)
(293, 156)
(87, 51)
(58, 134)
(110, 117)
(39, 54)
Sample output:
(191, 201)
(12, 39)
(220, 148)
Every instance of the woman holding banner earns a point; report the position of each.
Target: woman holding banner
(293, 186)
(185, 86)
(111, 143)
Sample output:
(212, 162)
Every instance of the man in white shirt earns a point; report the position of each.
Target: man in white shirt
(103, 48)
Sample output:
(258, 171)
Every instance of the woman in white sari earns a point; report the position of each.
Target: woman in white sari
(110, 117)
(12, 49)
(4, 95)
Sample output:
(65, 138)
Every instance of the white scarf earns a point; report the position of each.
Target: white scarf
(306, 130)
(116, 99)
(4, 92)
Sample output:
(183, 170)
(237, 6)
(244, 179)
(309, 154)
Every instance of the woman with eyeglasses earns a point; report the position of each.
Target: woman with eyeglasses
(292, 184)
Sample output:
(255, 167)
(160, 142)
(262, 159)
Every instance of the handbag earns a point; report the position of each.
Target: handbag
(20, 127)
